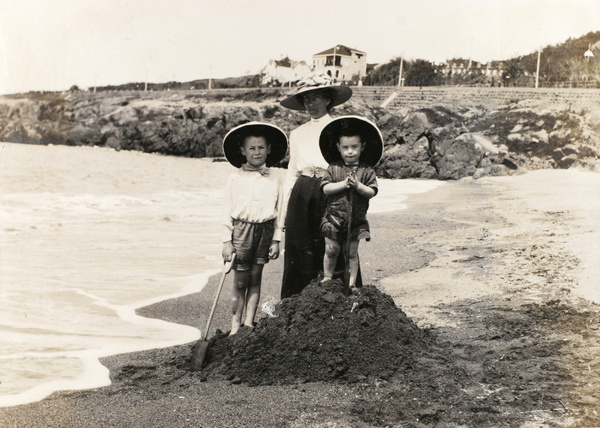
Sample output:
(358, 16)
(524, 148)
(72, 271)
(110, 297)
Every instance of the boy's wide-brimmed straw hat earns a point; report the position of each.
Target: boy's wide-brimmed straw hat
(234, 139)
(350, 126)
(318, 82)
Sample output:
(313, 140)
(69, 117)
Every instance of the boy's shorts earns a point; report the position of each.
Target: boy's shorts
(251, 242)
(332, 231)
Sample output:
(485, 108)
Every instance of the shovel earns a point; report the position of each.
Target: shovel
(202, 345)
(347, 249)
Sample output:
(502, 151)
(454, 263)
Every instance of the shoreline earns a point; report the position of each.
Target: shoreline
(463, 246)
(82, 180)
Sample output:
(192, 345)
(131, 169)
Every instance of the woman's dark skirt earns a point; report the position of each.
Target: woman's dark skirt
(304, 244)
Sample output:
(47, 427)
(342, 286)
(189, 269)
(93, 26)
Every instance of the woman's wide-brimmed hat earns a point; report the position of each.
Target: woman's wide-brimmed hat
(318, 82)
(350, 126)
(274, 136)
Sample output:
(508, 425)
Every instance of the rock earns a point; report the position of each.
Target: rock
(113, 143)
(587, 151)
(432, 142)
(123, 115)
(515, 138)
(480, 172)
(484, 144)
(593, 120)
(80, 135)
(567, 161)
(558, 154)
(516, 129)
(415, 123)
(461, 159)
(509, 164)
(397, 152)
(570, 149)
(498, 170)
(541, 135)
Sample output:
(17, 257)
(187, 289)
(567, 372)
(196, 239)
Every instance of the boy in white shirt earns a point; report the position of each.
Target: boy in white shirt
(253, 224)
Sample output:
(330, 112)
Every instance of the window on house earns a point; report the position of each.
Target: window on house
(330, 61)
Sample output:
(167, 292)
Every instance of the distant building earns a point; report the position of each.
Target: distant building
(492, 71)
(342, 63)
(463, 67)
(494, 68)
(284, 71)
(593, 53)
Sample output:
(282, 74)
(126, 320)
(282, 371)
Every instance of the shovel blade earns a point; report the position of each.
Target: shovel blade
(347, 282)
(198, 355)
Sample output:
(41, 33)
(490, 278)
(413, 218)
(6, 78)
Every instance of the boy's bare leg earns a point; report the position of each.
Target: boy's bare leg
(253, 293)
(238, 294)
(332, 250)
(353, 262)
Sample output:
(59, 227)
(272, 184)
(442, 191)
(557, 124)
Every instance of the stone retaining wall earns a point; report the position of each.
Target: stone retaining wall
(414, 97)
(470, 96)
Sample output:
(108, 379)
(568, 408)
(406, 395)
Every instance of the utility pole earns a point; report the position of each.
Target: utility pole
(537, 73)
(400, 75)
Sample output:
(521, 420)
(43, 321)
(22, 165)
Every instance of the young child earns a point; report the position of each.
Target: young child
(352, 146)
(254, 206)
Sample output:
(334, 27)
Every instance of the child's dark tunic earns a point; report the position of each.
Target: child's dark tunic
(335, 221)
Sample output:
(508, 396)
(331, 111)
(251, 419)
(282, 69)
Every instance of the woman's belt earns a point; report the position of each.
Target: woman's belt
(313, 172)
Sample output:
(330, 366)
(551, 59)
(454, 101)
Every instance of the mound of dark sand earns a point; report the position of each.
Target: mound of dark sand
(321, 335)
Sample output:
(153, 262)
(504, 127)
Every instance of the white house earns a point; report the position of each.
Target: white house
(341, 63)
(284, 71)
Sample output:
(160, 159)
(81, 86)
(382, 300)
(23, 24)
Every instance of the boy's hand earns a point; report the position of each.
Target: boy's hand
(352, 182)
(274, 250)
(227, 251)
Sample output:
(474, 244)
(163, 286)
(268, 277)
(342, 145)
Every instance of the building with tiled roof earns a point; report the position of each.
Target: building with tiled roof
(342, 63)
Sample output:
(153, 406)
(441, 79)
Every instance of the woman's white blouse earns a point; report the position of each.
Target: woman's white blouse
(305, 153)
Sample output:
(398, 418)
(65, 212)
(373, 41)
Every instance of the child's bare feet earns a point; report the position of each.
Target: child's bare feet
(325, 279)
(249, 325)
(235, 326)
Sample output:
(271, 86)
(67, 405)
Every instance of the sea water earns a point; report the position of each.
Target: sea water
(87, 235)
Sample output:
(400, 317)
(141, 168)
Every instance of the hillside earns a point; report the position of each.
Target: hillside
(562, 65)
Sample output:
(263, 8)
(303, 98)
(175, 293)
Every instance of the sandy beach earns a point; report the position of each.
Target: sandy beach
(502, 272)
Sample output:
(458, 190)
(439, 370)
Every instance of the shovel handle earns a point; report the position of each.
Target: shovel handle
(228, 265)
(226, 269)
(347, 272)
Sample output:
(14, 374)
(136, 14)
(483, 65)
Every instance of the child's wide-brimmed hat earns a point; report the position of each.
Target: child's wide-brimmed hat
(350, 126)
(318, 82)
(274, 136)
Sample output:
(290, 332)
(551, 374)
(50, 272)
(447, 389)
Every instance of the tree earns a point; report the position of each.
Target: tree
(384, 75)
(421, 73)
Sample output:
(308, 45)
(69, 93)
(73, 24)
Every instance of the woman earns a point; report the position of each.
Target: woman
(304, 244)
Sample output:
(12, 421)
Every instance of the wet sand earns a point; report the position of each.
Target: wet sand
(500, 270)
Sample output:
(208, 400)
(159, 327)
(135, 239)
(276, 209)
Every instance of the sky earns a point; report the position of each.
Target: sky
(55, 44)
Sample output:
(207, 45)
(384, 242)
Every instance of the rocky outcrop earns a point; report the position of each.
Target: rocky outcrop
(438, 142)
